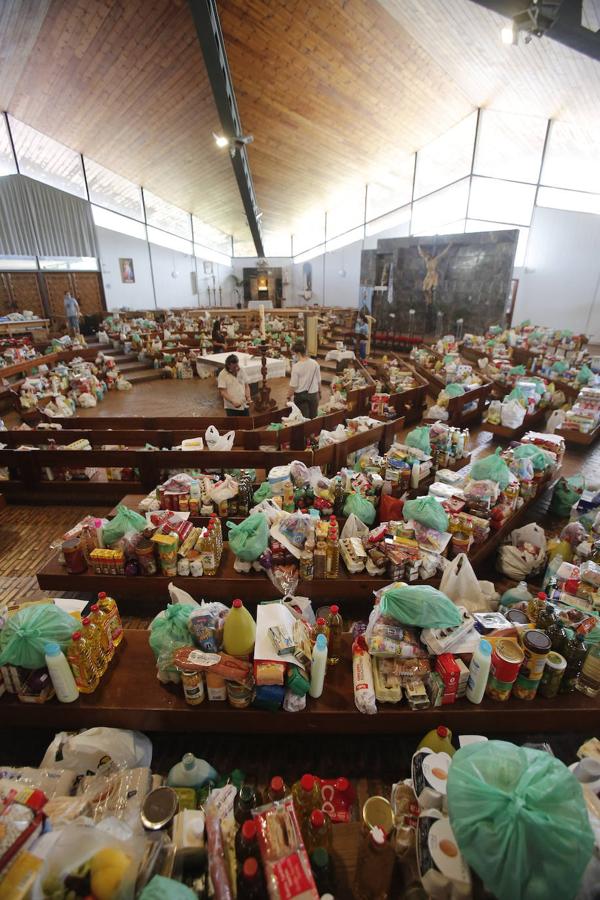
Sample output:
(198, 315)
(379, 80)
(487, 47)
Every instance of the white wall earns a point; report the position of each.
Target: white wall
(559, 284)
(170, 292)
(113, 245)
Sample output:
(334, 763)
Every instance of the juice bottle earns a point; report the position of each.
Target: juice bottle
(103, 623)
(307, 796)
(110, 608)
(589, 680)
(335, 625)
(80, 659)
(93, 635)
(574, 651)
(277, 789)
(439, 740)
(239, 631)
(318, 831)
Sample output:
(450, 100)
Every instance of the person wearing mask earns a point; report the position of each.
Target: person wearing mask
(233, 388)
(218, 338)
(305, 383)
(72, 313)
(362, 334)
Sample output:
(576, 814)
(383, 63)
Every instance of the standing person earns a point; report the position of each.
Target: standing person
(305, 383)
(73, 314)
(218, 338)
(362, 333)
(233, 388)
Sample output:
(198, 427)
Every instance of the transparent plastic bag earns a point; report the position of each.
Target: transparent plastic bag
(250, 538)
(492, 467)
(420, 605)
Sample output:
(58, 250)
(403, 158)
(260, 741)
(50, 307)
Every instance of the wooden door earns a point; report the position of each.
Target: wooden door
(86, 287)
(57, 285)
(24, 288)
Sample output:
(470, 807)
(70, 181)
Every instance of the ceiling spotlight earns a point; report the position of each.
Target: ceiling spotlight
(509, 35)
(221, 140)
(534, 21)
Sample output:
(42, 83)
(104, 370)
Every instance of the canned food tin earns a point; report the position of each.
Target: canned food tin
(193, 687)
(536, 646)
(517, 617)
(506, 661)
(552, 675)
(498, 690)
(525, 688)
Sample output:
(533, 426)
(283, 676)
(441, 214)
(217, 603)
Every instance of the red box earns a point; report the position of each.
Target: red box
(448, 698)
(449, 671)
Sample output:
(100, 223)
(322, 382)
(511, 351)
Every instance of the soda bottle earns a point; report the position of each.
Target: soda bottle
(111, 610)
(574, 651)
(335, 625)
(318, 831)
(307, 796)
(102, 621)
(80, 659)
(93, 635)
(277, 789)
(320, 865)
(250, 884)
(245, 842)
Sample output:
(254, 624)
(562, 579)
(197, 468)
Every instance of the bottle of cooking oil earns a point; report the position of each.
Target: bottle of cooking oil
(92, 634)
(335, 625)
(103, 623)
(79, 657)
(110, 608)
(320, 560)
(215, 522)
(333, 550)
(208, 552)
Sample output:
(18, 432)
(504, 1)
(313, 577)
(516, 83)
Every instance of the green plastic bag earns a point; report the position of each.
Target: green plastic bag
(250, 538)
(517, 370)
(584, 374)
(567, 491)
(26, 633)
(264, 492)
(161, 888)
(419, 438)
(170, 629)
(448, 358)
(518, 395)
(420, 605)
(124, 521)
(559, 366)
(492, 468)
(427, 511)
(520, 820)
(539, 458)
(360, 506)
(454, 390)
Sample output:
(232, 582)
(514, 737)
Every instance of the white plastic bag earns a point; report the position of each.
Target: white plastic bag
(436, 413)
(87, 401)
(269, 509)
(178, 595)
(515, 563)
(122, 384)
(353, 527)
(459, 582)
(224, 490)
(216, 441)
(530, 534)
(555, 420)
(103, 337)
(98, 751)
(295, 416)
(512, 414)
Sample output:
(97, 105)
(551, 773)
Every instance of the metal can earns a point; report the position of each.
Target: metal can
(240, 694)
(193, 687)
(536, 646)
(517, 617)
(504, 668)
(552, 675)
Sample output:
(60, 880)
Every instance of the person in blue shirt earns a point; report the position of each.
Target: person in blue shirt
(72, 313)
(362, 332)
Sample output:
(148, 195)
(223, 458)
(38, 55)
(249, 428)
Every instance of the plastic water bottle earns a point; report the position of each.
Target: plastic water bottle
(60, 673)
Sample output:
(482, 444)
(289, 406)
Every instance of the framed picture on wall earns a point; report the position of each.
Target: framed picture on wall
(126, 267)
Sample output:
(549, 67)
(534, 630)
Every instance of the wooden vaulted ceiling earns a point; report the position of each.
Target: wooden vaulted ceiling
(335, 92)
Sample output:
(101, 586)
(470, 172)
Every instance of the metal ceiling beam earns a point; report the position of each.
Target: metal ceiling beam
(208, 27)
(566, 30)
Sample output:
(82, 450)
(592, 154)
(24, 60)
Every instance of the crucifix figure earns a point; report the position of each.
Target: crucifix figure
(432, 278)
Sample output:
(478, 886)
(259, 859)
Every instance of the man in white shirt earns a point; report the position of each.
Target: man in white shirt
(233, 388)
(73, 314)
(305, 383)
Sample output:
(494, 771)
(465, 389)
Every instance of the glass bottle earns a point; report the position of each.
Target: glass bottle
(546, 617)
(557, 634)
(534, 606)
(92, 635)
(321, 868)
(103, 623)
(320, 560)
(110, 608)
(318, 831)
(574, 651)
(334, 644)
(79, 657)
(245, 801)
(277, 789)
(374, 867)
(589, 680)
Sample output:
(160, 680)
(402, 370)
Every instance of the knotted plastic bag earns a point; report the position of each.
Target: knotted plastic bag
(420, 605)
(250, 538)
(454, 390)
(264, 492)
(517, 370)
(428, 511)
(124, 521)
(171, 627)
(584, 375)
(559, 366)
(419, 438)
(361, 507)
(520, 820)
(492, 468)
(26, 633)
(539, 458)
(565, 494)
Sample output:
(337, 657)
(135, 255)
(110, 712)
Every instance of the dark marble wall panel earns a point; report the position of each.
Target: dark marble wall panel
(464, 276)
